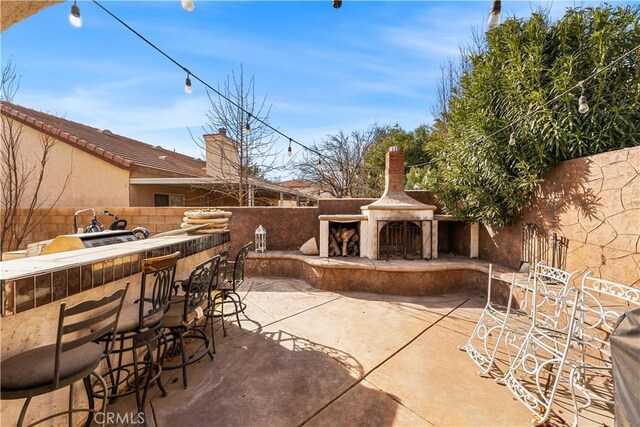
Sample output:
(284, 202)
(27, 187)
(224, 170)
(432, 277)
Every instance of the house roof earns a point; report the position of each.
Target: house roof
(120, 150)
(117, 149)
(297, 183)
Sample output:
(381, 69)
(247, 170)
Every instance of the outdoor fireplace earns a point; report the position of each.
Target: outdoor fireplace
(394, 226)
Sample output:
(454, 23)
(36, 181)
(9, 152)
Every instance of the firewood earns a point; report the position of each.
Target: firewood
(335, 232)
(346, 235)
(334, 250)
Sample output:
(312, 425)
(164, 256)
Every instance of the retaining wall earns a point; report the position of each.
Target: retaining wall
(594, 202)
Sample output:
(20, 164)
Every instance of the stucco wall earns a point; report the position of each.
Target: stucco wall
(287, 227)
(92, 181)
(595, 203)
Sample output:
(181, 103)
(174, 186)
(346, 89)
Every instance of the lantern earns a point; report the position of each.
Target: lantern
(261, 239)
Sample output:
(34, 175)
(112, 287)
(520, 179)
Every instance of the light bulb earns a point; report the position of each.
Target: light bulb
(337, 4)
(512, 139)
(74, 16)
(289, 150)
(583, 105)
(494, 14)
(187, 85)
(319, 162)
(248, 127)
(188, 5)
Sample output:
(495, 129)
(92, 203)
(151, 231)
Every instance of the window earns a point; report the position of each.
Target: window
(160, 200)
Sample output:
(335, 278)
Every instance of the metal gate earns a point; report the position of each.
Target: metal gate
(537, 247)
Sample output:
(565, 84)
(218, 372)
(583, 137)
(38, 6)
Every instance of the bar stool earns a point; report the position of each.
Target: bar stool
(52, 367)
(231, 281)
(186, 310)
(140, 329)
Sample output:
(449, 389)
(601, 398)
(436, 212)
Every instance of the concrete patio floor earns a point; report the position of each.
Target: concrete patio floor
(309, 357)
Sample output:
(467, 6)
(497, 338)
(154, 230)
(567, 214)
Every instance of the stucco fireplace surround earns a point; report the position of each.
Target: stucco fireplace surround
(394, 226)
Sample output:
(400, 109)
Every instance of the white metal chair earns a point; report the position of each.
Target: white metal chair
(506, 326)
(601, 304)
(541, 363)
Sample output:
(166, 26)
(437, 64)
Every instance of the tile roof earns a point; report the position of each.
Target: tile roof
(117, 149)
(297, 183)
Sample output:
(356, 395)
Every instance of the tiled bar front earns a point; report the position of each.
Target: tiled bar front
(33, 282)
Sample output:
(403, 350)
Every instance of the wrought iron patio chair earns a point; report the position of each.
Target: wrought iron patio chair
(541, 363)
(74, 357)
(228, 287)
(186, 310)
(601, 304)
(139, 333)
(505, 326)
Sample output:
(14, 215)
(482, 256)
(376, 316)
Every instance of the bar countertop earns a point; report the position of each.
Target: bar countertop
(24, 267)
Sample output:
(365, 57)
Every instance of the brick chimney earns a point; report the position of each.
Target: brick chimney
(394, 172)
(394, 197)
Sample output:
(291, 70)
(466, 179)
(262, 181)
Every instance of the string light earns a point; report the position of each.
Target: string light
(289, 150)
(203, 82)
(74, 16)
(583, 105)
(512, 138)
(248, 126)
(494, 14)
(188, 5)
(187, 85)
(319, 161)
(580, 84)
(337, 4)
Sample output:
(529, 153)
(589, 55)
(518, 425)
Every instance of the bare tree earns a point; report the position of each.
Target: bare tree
(248, 151)
(22, 175)
(340, 168)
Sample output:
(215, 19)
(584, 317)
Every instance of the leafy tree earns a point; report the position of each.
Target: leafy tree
(524, 81)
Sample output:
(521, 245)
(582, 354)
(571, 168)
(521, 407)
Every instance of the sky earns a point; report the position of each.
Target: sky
(321, 69)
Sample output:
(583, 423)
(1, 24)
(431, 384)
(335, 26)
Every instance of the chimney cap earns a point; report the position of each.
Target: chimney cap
(222, 131)
(394, 148)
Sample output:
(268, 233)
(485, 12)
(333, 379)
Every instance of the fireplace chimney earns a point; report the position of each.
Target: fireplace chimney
(394, 172)
(394, 197)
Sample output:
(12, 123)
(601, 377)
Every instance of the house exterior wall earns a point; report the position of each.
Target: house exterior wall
(143, 195)
(92, 181)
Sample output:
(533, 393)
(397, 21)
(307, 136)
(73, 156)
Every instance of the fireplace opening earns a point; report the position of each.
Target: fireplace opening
(399, 240)
(344, 239)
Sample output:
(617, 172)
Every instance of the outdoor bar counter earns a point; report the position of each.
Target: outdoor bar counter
(33, 288)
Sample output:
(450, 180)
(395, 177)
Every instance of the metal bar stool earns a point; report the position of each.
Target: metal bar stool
(52, 367)
(184, 312)
(139, 331)
(231, 281)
